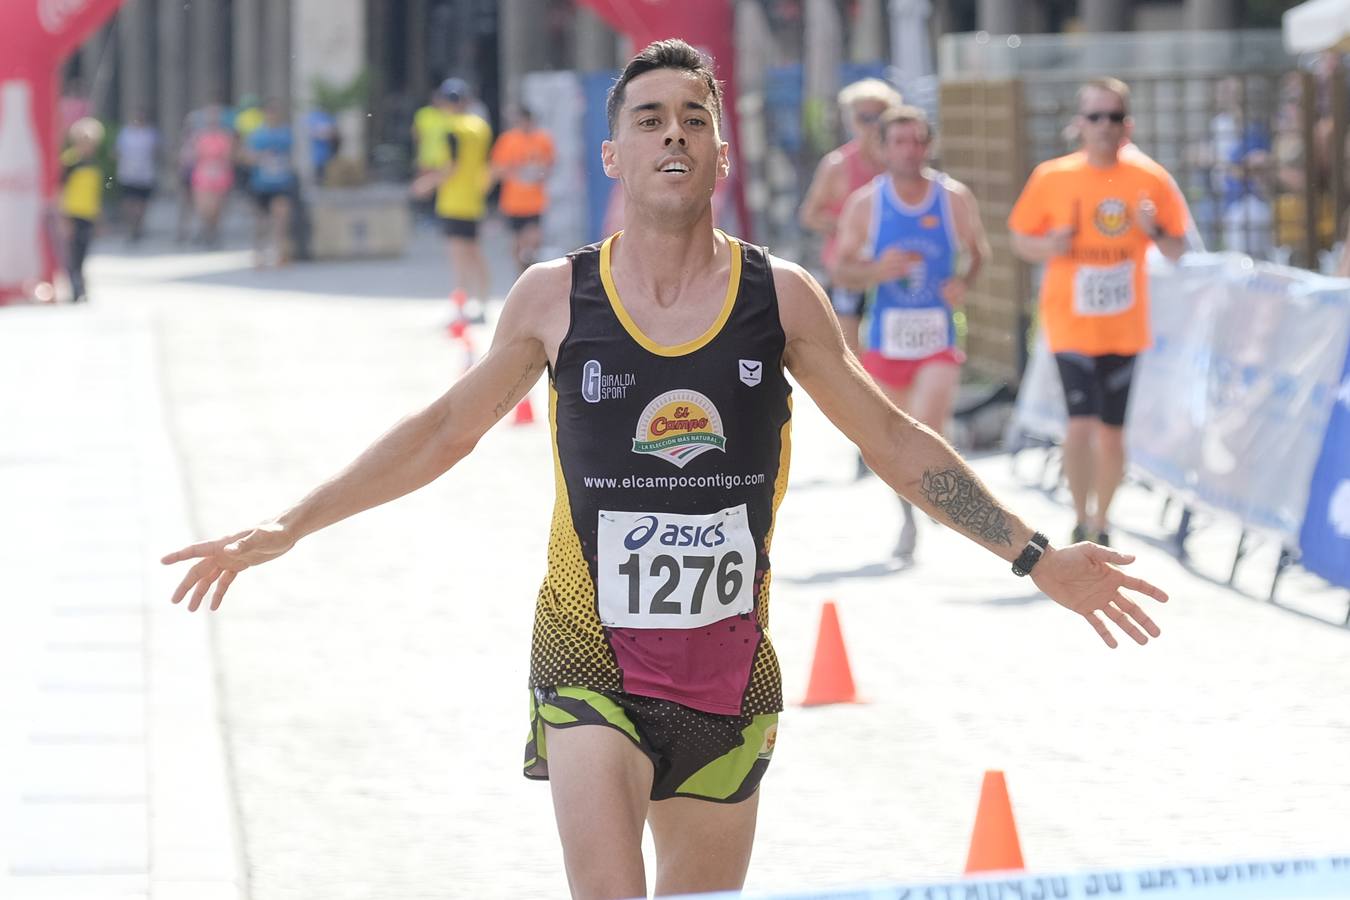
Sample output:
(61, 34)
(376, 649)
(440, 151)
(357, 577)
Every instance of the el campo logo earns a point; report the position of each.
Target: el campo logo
(1112, 217)
(679, 425)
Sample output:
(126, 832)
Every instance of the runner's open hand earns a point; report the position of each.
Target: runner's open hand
(1082, 578)
(1060, 240)
(894, 264)
(954, 292)
(223, 559)
(1146, 215)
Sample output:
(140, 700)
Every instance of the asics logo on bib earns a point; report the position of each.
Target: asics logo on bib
(673, 535)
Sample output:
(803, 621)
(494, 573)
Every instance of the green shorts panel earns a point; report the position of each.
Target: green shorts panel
(693, 753)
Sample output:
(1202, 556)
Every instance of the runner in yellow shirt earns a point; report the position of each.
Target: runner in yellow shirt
(461, 185)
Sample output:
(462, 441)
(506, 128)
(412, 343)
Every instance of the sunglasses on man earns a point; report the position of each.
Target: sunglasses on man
(1116, 118)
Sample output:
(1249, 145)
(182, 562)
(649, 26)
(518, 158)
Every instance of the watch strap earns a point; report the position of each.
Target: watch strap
(1030, 555)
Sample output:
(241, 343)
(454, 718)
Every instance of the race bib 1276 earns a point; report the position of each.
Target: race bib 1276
(665, 570)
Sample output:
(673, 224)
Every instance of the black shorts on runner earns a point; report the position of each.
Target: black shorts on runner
(1097, 386)
(460, 228)
(693, 753)
(264, 198)
(140, 192)
(846, 302)
(520, 223)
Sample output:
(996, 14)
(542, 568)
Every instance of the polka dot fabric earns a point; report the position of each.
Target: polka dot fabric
(569, 645)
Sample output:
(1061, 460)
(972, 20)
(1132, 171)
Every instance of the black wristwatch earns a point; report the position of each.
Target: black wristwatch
(1030, 555)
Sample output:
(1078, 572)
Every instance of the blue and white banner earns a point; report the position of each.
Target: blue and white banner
(1325, 541)
(1231, 404)
(1308, 879)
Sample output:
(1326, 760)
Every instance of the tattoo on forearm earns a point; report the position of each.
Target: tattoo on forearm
(510, 399)
(960, 496)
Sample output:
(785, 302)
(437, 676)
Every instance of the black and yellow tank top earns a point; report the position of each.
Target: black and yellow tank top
(670, 463)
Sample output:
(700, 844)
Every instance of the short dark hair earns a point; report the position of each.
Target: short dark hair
(671, 53)
(899, 115)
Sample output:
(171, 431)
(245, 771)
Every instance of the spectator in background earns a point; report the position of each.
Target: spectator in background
(841, 172)
(81, 199)
(186, 160)
(323, 140)
(430, 151)
(522, 160)
(1240, 157)
(272, 183)
(136, 151)
(461, 187)
(212, 172)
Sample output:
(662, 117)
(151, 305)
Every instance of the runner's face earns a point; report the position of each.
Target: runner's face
(1103, 134)
(864, 118)
(906, 145)
(666, 148)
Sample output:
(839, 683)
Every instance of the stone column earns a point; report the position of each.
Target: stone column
(419, 79)
(134, 58)
(867, 37)
(208, 71)
(824, 41)
(595, 43)
(171, 34)
(330, 47)
(1211, 15)
(276, 48)
(247, 46)
(997, 17)
(513, 34)
(1104, 15)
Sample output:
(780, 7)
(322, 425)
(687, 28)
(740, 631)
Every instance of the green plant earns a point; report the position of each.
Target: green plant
(334, 98)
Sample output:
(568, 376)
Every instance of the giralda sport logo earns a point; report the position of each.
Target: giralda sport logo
(678, 426)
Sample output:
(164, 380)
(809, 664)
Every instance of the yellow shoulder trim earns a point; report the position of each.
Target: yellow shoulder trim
(733, 288)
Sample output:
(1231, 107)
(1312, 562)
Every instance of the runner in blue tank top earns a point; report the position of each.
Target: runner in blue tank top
(901, 237)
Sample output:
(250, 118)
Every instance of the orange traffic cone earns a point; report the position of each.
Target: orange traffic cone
(993, 844)
(524, 414)
(831, 678)
(458, 321)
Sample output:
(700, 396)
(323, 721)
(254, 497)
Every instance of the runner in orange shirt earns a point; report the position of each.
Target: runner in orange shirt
(522, 159)
(1090, 217)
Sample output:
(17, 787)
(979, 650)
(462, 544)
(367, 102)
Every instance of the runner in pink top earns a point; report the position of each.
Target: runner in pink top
(841, 172)
(212, 172)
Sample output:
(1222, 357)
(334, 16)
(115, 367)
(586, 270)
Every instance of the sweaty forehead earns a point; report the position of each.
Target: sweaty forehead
(667, 87)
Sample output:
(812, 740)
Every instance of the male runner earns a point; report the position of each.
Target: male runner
(1090, 217)
(900, 237)
(655, 691)
(841, 172)
(461, 186)
(522, 160)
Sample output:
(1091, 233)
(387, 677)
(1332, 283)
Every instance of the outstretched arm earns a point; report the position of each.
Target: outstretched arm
(814, 212)
(413, 453)
(922, 467)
